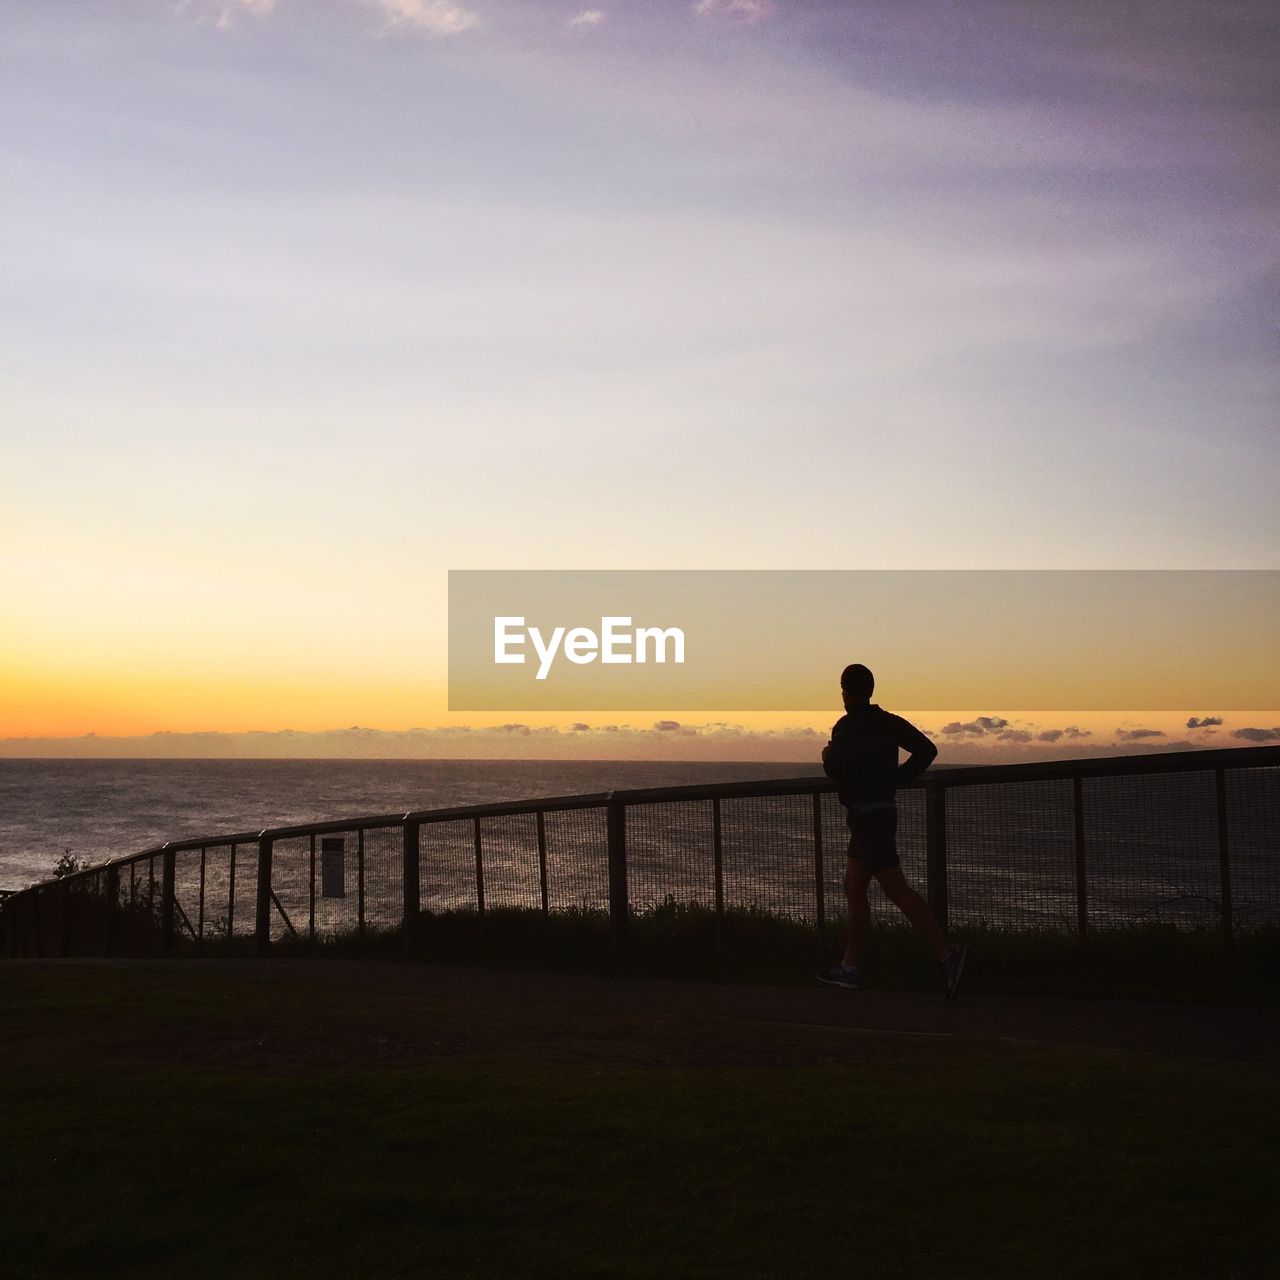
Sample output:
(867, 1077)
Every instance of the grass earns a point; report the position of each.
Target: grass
(204, 1121)
(675, 939)
(681, 939)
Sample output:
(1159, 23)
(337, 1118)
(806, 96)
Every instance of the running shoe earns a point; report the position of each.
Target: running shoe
(840, 977)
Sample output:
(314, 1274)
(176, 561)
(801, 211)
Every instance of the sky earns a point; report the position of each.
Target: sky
(306, 302)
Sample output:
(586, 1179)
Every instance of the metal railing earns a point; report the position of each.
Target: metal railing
(1190, 839)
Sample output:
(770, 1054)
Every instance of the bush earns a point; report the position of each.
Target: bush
(68, 865)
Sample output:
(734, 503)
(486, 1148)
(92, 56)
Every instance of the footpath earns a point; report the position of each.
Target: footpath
(1246, 1034)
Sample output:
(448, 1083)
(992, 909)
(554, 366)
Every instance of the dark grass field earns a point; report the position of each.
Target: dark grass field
(674, 939)
(1150, 961)
(204, 1120)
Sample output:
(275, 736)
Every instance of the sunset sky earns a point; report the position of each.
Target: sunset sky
(307, 302)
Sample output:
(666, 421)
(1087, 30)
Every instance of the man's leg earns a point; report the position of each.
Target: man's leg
(857, 878)
(912, 905)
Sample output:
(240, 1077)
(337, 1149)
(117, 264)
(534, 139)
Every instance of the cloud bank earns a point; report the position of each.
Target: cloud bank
(983, 740)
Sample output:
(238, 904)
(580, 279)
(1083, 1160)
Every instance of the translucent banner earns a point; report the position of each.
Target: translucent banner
(765, 640)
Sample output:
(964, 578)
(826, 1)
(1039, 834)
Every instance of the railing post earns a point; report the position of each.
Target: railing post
(231, 899)
(110, 899)
(1224, 855)
(311, 891)
(819, 870)
(619, 903)
(262, 920)
(479, 850)
(167, 889)
(37, 925)
(200, 926)
(540, 825)
(360, 885)
(1082, 875)
(717, 857)
(935, 818)
(64, 901)
(412, 894)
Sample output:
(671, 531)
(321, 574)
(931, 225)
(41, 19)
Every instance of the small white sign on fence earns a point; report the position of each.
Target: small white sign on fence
(333, 861)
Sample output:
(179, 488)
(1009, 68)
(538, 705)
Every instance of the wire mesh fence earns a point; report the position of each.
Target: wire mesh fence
(451, 878)
(1153, 847)
(1190, 841)
(769, 855)
(577, 842)
(672, 854)
(1252, 804)
(1011, 854)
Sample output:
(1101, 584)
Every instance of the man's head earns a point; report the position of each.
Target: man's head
(856, 684)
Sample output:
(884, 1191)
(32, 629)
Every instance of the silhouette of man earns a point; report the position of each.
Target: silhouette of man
(862, 760)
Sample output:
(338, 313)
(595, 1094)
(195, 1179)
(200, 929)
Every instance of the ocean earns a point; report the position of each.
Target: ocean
(98, 809)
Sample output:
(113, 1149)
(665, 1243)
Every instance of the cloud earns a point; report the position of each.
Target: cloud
(228, 10)
(665, 740)
(1203, 722)
(1071, 731)
(436, 17)
(978, 728)
(1251, 734)
(985, 739)
(587, 18)
(747, 12)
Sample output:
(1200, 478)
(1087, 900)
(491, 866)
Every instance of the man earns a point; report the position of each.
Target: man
(862, 760)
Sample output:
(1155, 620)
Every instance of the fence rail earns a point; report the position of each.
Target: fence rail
(1188, 838)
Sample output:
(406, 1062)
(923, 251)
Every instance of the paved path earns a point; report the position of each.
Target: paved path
(1187, 1030)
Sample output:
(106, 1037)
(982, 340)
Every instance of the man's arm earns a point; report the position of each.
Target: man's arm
(922, 752)
(831, 755)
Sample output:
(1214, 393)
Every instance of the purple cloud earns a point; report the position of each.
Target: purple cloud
(1071, 731)
(1014, 735)
(978, 728)
(1258, 735)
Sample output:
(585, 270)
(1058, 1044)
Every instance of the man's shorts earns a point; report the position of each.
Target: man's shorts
(873, 838)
